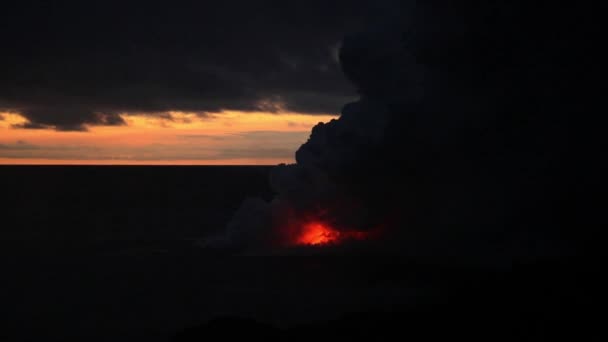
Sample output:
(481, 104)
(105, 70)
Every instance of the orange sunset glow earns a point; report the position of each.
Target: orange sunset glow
(174, 138)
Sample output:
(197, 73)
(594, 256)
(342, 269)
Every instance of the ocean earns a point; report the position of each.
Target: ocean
(73, 206)
(111, 253)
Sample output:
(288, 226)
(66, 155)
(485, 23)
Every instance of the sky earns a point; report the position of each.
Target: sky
(178, 138)
(110, 82)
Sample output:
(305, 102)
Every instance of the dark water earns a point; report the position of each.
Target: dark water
(110, 254)
(86, 204)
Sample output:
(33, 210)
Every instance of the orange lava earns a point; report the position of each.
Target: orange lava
(317, 233)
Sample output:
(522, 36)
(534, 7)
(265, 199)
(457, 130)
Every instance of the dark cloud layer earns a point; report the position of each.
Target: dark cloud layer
(460, 145)
(67, 63)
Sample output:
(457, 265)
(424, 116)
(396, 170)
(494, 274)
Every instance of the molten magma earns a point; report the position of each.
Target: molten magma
(317, 233)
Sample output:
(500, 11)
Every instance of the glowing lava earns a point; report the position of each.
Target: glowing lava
(317, 233)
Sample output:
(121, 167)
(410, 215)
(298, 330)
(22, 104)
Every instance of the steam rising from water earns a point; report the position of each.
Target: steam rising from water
(455, 147)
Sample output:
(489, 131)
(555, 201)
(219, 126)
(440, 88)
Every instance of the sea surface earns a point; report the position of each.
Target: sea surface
(113, 254)
(110, 253)
(65, 207)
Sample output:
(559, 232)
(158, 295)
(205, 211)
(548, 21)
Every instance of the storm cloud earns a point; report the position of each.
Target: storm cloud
(66, 64)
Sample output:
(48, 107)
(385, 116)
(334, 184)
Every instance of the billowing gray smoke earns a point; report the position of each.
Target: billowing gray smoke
(456, 147)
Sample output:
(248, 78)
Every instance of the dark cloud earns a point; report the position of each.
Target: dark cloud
(64, 61)
(458, 146)
(67, 119)
(33, 125)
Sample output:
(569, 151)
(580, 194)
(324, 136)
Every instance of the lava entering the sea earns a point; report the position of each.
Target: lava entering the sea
(318, 233)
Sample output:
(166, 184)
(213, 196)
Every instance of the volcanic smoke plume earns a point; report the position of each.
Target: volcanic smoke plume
(456, 146)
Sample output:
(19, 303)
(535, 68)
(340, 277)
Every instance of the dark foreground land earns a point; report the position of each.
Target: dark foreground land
(548, 302)
(111, 254)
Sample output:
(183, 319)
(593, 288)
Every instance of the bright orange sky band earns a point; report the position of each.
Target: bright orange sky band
(226, 138)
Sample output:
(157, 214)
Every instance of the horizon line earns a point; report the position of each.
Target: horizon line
(64, 162)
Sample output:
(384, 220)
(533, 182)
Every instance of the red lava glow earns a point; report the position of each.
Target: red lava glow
(318, 233)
